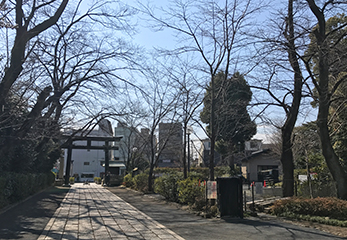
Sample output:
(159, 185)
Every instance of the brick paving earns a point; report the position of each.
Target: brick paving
(91, 212)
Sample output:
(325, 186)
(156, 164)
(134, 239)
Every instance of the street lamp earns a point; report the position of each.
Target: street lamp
(189, 131)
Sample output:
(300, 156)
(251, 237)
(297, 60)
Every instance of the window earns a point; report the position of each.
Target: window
(87, 175)
(254, 145)
(86, 163)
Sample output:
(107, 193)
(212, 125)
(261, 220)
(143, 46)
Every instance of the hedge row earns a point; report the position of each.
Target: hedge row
(172, 186)
(220, 171)
(330, 207)
(15, 187)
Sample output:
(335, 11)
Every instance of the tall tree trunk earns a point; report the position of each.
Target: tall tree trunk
(324, 98)
(291, 112)
(23, 35)
(287, 163)
(213, 130)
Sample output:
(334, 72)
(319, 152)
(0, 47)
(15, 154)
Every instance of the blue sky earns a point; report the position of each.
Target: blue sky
(166, 39)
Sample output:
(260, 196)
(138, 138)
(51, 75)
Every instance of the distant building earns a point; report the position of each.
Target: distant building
(170, 144)
(257, 160)
(126, 145)
(87, 164)
(143, 144)
(204, 156)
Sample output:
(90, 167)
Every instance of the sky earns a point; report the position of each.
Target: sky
(150, 39)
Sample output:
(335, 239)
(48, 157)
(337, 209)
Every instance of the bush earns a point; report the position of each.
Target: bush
(72, 180)
(190, 191)
(141, 182)
(167, 185)
(128, 181)
(97, 180)
(15, 187)
(322, 207)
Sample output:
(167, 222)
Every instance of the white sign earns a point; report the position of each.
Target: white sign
(211, 189)
(302, 178)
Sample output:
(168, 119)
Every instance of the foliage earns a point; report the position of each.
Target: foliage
(167, 185)
(233, 122)
(333, 208)
(72, 180)
(141, 182)
(34, 154)
(190, 190)
(97, 180)
(15, 187)
(318, 188)
(128, 180)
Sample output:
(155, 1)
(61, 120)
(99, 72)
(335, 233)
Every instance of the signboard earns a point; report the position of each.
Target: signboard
(211, 189)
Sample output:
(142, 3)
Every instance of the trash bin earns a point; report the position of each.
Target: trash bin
(229, 192)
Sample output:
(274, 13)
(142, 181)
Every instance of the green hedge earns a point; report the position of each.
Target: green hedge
(167, 185)
(141, 182)
(190, 191)
(15, 187)
(330, 207)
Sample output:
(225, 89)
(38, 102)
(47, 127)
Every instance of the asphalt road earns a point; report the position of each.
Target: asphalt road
(192, 227)
(27, 219)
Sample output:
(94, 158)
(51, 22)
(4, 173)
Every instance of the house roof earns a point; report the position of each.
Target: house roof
(255, 154)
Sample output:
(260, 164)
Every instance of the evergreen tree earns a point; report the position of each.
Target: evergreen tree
(233, 123)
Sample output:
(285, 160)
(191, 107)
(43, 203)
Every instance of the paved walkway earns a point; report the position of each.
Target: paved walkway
(92, 212)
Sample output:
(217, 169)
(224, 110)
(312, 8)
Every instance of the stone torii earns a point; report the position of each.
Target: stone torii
(69, 145)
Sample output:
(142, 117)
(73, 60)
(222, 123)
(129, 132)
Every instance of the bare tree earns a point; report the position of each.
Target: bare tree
(213, 31)
(284, 94)
(185, 78)
(325, 86)
(76, 62)
(27, 17)
(160, 101)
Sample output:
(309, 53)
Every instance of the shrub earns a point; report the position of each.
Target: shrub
(141, 182)
(322, 207)
(15, 187)
(189, 190)
(128, 181)
(72, 180)
(97, 180)
(167, 185)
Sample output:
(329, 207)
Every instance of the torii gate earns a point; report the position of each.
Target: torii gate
(69, 146)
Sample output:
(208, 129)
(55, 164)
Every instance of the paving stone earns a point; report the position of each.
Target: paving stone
(92, 212)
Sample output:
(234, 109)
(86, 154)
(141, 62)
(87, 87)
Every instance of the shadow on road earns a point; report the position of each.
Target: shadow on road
(27, 219)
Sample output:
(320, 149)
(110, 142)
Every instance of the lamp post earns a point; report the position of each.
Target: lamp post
(133, 156)
(189, 131)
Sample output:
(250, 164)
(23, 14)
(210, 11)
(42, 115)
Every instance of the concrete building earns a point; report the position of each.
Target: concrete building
(204, 156)
(87, 164)
(126, 145)
(170, 144)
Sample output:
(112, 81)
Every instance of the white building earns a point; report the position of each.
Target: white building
(126, 144)
(87, 164)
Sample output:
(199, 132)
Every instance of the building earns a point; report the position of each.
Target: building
(259, 160)
(204, 156)
(126, 146)
(170, 145)
(87, 164)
